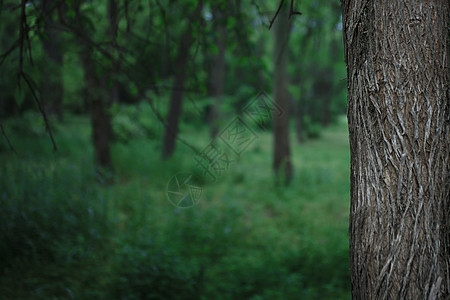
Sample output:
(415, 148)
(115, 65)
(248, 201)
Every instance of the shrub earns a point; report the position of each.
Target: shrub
(133, 122)
(50, 218)
(31, 123)
(149, 271)
(312, 129)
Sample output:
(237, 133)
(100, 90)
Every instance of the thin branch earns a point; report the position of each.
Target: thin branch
(27, 38)
(291, 12)
(123, 65)
(161, 119)
(8, 52)
(254, 3)
(142, 95)
(41, 109)
(21, 38)
(276, 14)
(7, 140)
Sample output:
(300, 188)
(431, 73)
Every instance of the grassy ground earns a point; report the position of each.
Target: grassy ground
(65, 235)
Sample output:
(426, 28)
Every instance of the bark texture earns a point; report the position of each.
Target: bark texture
(398, 111)
(282, 163)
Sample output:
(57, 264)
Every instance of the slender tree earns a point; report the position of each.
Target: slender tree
(282, 154)
(51, 85)
(96, 93)
(113, 18)
(217, 68)
(176, 99)
(397, 55)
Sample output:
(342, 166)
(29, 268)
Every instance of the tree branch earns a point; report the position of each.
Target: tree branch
(291, 12)
(7, 140)
(41, 109)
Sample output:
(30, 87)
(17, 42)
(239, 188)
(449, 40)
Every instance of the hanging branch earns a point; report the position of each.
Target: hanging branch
(24, 37)
(41, 109)
(123, 67)
(23, 21)
(8, 52)
(7, 140)
(291, 12)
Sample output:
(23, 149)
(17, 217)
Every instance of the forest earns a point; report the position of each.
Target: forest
(161, 149)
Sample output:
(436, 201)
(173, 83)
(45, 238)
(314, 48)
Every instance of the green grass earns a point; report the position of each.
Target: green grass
(66, 236)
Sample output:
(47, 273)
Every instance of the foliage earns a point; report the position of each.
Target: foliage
(310, 128)
(134, 121)
(64, 236)
(31, 123)
(52, 229)
(64, 233)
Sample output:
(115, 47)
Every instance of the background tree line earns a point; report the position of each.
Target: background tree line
(128, 93)
(132, 92)
(193, 62)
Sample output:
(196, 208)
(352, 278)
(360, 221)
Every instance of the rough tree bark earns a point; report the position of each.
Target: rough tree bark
(176, 99)
(282, 154)
(397, 55)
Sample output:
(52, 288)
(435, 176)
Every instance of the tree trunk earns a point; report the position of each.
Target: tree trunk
(397, 57)
(51, 85)
(100, 119)
(112, 32)
(217, 71)
(176, 99)
(323, 91)
(282, 154)
(98, 97)
(298, 117)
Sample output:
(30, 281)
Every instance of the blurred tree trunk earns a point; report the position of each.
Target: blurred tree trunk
(298, 117)
(51, 88)
(217, 70)
(282, 154)
(8, 103)
(176, 99)
(323, 91)
(96, 91)
(113, 30)
(97, 95)
(397, 56)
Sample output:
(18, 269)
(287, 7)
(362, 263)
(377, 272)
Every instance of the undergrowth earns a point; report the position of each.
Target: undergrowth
(64, 235)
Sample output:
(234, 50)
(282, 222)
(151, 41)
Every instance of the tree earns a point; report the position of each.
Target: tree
(217, 68)
(282, 154)
(176, 99)
(51, 85)
(397, 57)
(96, 91)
